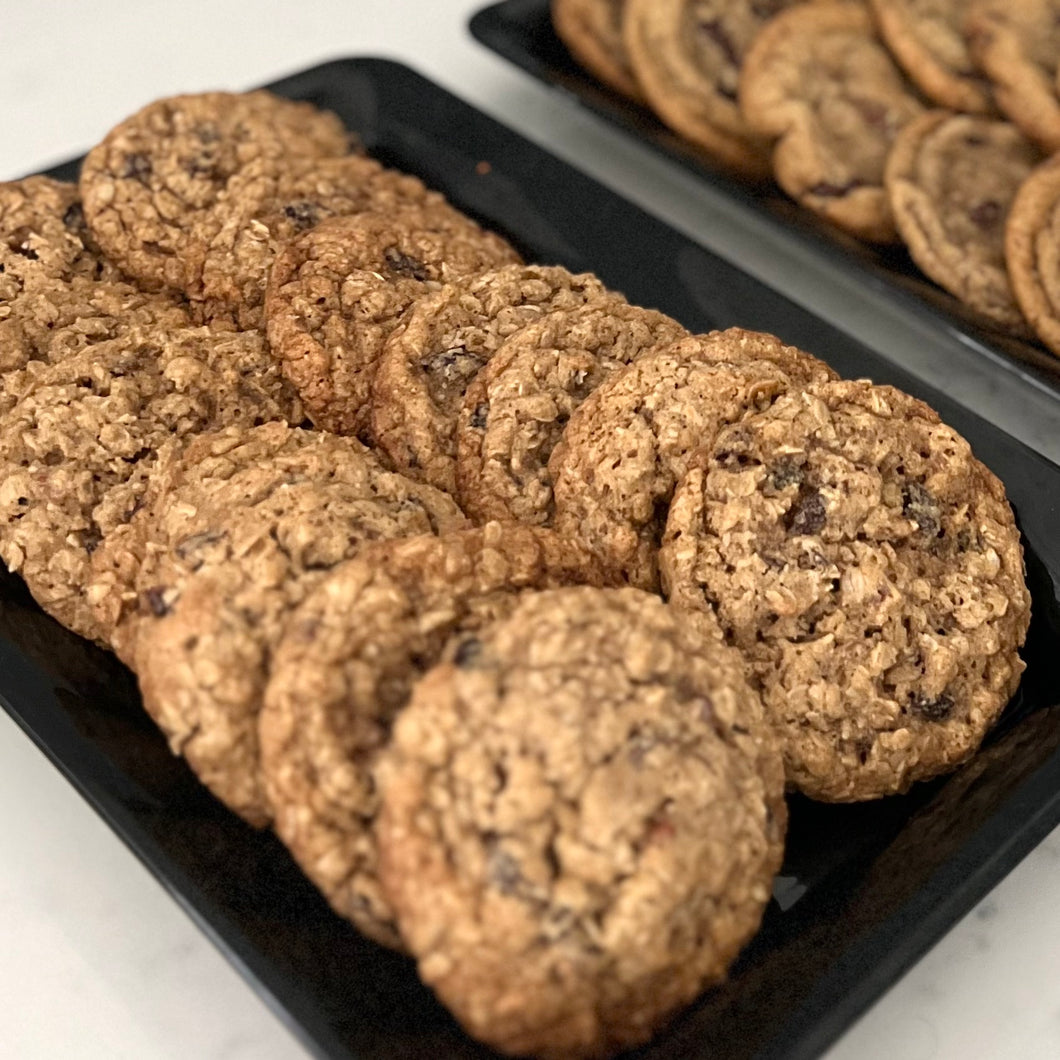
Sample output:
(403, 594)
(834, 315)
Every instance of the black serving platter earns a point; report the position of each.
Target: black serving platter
(521, 31)
(864, 889)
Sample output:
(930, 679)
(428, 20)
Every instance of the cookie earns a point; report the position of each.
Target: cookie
(515, 411)
(346, 666)
(623, 451)
(592, 30)
(927, 38)
(1017, 46)
(445, 339)
(250, 523)
(870, 570)
(582, 815)
(951, 179)
(264, 208)
(1032, 251)
(151, 188)
(819, 78)
(76, 451)
(687, 56)
(337, 292)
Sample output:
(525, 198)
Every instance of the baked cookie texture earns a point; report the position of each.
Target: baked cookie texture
(515, 410)
(951, 179)
(818, 78)
(445, 339)
(582, 814)
(336, 294)
(347, 665)
(1032, 251)
(636, 436)
(151, 189)
(1017, 46)
(927, 38)
(76, 451)
(870, 570)
(687, 56)
(592, 30)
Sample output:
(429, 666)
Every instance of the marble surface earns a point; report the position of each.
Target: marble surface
(99, 961)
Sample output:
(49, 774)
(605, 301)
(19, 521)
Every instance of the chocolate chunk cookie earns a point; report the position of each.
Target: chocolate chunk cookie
(592, 30)
(151, 188)
(927, 38)
(516, 409)
(346, 666)
(445, 339)
(687, 56)
(250, 523)
(869, 568)
(582, 814)
(75, 452)
(337, 292)
(1017, 45)
(634, 438)
(264, 208)
(819, 78)
(951, 179)
(1032, 251)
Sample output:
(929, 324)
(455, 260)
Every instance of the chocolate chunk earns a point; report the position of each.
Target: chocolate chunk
(74, 217)
(920, 506)
(303, 214)
(808, 514)
(405, 265)
(468, 653)
(480, 416)
(986, 214)
(785, 473)
(504, 871)
(137, 167)
(931, 709)
(154, 600)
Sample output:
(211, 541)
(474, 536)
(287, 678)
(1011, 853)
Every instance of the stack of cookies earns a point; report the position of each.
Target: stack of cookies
(513, 608)
(931, 124)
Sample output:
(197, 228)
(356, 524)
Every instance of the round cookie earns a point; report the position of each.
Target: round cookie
(443, 342)
(76, 451)
(614, 470)
(582, 815)
(1017, 46)
(951, 179)
(516, 409)
(250, 523)
(819, 78)
(1032, 251)
(346, 666)
(927, 38)
(687, 56)
(336, 293)
(592, 30)
(151, 188)
(264, 208)
(870, 570)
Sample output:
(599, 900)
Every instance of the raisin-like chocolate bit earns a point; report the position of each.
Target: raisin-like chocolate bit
(405, 265)
(137, 167)
(504, 871)
(91, 539)
(786, 473)
(18, 241)
(931, 709)
(304, 214)
(449, 373)
(74, 218)
(808, 514)
(986, 214)
(480, 416)
(189, 546)
(920, 506)
(154, 600)
(468, 653)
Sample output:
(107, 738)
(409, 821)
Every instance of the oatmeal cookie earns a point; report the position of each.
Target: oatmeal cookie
(247, 526)
(687, 56)
(151, 188)
(443, 342)
(346, 666)
(1017, 45)
(951, 179)
(634, 438)
(819, 78)
(870, 569)
(582, 814)
(927, 38)
(518, 405)
(592, 30)
(336, 294)
(76, 451)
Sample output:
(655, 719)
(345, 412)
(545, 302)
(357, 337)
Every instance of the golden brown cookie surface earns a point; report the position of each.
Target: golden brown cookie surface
(592, 30)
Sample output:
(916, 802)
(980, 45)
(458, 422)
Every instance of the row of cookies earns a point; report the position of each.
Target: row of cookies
(882, 118)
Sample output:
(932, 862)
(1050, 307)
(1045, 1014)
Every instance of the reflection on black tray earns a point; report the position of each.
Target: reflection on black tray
(864, 889)
(521, 31)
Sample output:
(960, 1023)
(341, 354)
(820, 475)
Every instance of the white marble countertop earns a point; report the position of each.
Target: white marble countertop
(98, 960)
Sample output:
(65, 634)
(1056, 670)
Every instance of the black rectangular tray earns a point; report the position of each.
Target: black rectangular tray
(864, 889)
(521, 31)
